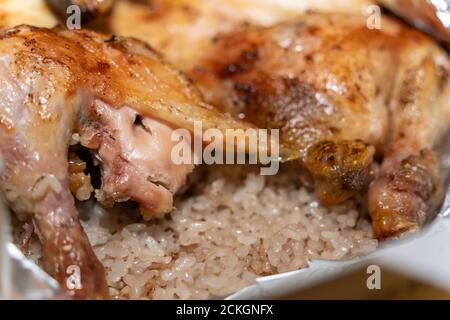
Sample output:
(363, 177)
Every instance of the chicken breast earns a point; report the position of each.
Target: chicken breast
(113, 96)
(183, 29)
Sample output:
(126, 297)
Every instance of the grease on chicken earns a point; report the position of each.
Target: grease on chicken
(33, 12)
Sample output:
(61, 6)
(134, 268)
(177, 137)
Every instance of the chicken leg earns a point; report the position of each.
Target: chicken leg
(408, 189)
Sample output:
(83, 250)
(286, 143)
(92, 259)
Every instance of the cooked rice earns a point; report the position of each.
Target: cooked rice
(234, 227)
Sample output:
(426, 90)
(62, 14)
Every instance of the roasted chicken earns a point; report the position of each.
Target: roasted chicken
(113, 96)
(345, 97)
(342, 94)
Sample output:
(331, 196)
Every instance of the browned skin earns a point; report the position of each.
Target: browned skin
(338, 91)
(327, 79)
(54, 83)
(424, 13)
(339, 169)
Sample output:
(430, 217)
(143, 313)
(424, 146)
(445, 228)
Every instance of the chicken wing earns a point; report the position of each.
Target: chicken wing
(113, 96)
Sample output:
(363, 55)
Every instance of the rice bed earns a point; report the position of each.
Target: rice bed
(235, 227)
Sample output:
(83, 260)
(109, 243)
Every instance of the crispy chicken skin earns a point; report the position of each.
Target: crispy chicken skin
(341, 94)
(121, 101)
(408, 186)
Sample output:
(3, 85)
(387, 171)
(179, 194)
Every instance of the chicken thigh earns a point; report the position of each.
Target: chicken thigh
(183, 29)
